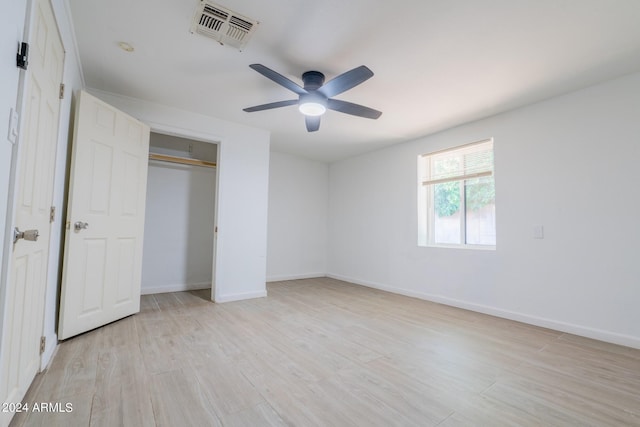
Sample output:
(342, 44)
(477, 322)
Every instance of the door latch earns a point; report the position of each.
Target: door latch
(22, 58)
(79, 225)
(31, 235)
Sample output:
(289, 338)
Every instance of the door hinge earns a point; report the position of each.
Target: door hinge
(22, 58)
(61, 90)
(52, 214)
(43, 344)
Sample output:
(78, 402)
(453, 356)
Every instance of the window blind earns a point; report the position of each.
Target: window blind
(467, 162)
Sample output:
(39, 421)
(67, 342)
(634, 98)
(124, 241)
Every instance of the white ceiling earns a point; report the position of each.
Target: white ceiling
(437, 63)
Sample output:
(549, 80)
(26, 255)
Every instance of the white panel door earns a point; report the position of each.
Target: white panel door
(34, 190)
(105, 218)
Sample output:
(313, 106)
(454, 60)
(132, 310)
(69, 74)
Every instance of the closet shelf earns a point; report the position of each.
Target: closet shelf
(181, 160)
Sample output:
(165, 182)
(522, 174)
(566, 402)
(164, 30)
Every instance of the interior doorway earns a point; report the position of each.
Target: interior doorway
(180, 218)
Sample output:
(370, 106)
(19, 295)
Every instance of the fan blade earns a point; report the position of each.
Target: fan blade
(353, 109)
(278, 78)
(312, 122)
(346, 81)
(271, 105)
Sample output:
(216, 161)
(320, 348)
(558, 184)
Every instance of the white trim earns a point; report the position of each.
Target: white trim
(286, 277)
(240, 296)
(571, 328)
(179, 287)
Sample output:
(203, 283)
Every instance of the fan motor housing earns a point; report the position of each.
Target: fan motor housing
(312, 80)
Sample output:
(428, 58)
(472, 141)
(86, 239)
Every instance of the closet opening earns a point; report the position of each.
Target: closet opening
(180, 216)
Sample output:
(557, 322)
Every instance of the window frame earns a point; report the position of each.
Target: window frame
(426, 204)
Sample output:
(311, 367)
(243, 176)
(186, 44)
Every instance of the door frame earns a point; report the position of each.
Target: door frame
(211, 139)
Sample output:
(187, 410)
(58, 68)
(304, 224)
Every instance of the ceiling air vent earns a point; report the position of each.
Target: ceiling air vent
(223, 25)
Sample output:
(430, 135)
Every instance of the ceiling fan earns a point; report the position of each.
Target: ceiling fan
(315, 97)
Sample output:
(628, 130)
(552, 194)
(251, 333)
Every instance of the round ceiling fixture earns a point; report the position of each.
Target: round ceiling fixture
(312, 104)
(312, 109)
(127, 47)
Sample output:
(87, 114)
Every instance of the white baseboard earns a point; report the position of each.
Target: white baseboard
(240, 296)
(295, 277)
(597, 334)
(181, 287)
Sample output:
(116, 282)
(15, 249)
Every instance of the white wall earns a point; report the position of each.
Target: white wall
(243, 176)
(569, 164)
(178, 229)
(11, 30)
(298, 204)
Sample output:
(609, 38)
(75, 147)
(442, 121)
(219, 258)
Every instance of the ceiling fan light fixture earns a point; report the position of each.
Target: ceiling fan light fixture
(312, 104)
(312, 108)
(316, 96)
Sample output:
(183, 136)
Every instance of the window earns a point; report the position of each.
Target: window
(456, 197)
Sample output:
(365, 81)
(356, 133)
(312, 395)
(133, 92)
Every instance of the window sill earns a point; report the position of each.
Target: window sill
(471, 247)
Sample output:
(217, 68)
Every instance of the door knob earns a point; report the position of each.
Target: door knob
(31, 235)
(79, 225)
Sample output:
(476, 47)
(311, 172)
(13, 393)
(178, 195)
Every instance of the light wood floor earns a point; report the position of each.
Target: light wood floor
(321, 352)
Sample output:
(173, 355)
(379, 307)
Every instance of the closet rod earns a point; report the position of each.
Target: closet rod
(181, 160)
